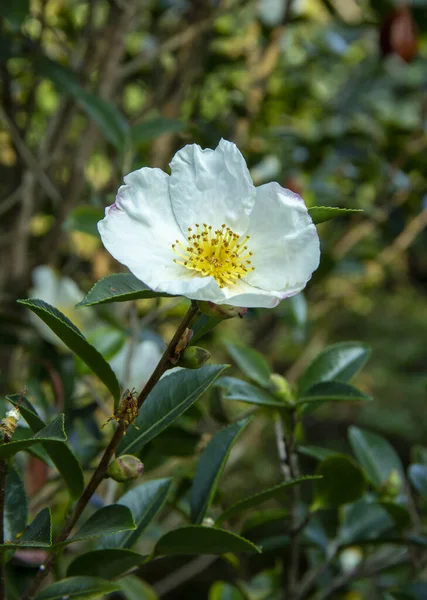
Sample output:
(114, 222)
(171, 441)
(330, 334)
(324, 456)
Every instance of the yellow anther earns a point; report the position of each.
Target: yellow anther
(221, 254)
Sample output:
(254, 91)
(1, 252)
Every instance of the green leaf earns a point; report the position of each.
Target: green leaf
(78, 587)
(330, 391)
(172, 396)
(204, 325)
(273, 492)
(107, 564)
(316, 452)
(195, 539)
(339, 362)
(39, 533)
(120, 287)
(236, 389)
(319, 214)
(397, 512)
(210, 467)
(363, 520)
(60, 454)
(109, 519)
(251, 362)
(342, 482)
(135, 588)
(144, 501)
(418, 477)
(75, 340)
(221, 590)
(16, 506)
(376, 455)
(109, 119)
(52, 432)
(84, 218)
(153, 128)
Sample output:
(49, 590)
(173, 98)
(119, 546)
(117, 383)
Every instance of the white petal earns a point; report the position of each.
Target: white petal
(211, 186)
(283, 240)
(139, 228)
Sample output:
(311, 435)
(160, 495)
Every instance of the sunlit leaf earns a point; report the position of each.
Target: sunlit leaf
(75, 340)
(319, 214)
(120, 287)
(339, 362)
(171, 397)
(251, 363)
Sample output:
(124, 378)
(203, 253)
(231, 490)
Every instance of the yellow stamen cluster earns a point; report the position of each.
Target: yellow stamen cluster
(221, 254)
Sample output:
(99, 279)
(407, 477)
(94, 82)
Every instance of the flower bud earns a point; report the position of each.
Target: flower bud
(393, 486)
(280, 389)
(193, 357)
(208, 522)
(125, 468)
(350, 558)
(221, 311)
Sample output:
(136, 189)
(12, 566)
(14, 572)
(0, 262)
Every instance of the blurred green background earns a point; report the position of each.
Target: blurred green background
(329, 98)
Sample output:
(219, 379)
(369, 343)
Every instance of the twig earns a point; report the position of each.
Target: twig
(102, 467)
(290, 469)
(3, 472)
(134, 329)
(314, 574)
(366, 569)
(294, 534)
(183, 574)
(28, 157)
(281, 447)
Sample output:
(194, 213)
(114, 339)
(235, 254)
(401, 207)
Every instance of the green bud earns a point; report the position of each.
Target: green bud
(193, 357)
(280, 389)
(393, 486)
(221, 311)
(125, 468)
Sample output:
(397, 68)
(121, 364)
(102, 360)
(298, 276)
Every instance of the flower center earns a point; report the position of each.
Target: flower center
(221, 254)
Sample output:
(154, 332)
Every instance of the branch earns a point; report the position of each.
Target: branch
(29, 159)
(99, 473)
(3, 472)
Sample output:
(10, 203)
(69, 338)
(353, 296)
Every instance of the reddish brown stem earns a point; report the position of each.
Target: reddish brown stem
(101, 469)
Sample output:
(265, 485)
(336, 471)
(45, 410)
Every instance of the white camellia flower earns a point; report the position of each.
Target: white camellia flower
(207, 233)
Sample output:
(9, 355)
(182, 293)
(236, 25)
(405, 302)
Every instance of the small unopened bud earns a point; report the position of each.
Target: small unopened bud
(393, 486)
(125, 468)
(208, 522)
(350, 558)
(194, 357)
(221, 311)
(280, 389)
